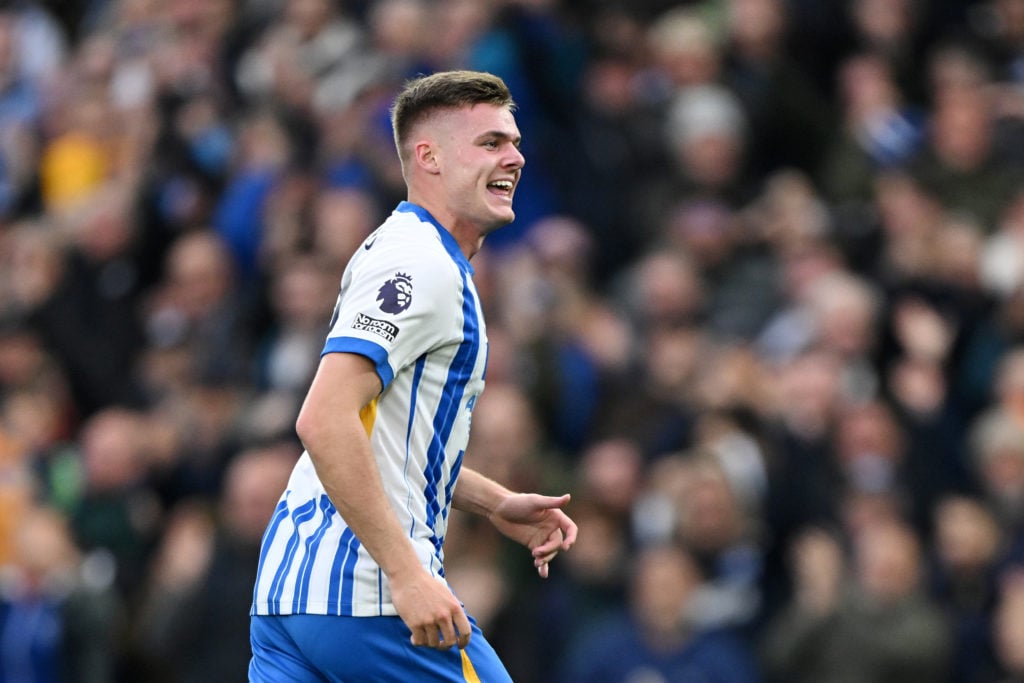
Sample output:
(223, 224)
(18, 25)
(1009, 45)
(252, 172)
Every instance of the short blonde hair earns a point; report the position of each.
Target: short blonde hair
(424, 95)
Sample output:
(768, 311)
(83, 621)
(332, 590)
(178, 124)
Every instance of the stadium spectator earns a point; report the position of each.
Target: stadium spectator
(655, 636)
(877, 627)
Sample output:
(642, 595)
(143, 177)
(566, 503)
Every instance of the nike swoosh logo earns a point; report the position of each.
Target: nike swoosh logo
(369, 244)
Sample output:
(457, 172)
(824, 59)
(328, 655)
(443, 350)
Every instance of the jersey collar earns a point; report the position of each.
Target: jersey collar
(450, 245)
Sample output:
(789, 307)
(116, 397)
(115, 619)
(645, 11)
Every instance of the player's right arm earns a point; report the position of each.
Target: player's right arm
(332, 432)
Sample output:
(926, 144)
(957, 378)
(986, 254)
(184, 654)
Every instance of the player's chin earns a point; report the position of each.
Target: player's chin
(505, 214)
(499, 220)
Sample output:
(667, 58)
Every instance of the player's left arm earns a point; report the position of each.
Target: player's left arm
(534, 520)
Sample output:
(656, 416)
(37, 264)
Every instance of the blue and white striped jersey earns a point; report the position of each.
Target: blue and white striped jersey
(408, 303)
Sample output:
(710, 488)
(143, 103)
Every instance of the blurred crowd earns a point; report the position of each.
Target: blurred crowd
(761, 312)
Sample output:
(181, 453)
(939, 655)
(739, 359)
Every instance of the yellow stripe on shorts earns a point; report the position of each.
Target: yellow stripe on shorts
(468, 672)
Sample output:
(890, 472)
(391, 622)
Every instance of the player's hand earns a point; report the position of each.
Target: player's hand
(431, 611)
(537, 522)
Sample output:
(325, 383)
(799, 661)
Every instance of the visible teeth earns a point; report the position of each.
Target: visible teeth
(502, 184)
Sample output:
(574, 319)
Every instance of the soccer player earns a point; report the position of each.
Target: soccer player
(351, 580)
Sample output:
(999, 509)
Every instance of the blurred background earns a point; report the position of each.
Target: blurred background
(761, 312)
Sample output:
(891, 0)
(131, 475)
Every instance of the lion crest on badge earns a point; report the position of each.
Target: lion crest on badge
(395, 295)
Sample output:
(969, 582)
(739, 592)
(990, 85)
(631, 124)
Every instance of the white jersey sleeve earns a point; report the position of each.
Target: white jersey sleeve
(397, 301)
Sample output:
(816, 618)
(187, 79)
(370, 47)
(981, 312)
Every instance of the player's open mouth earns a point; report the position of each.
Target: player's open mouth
(501, 187)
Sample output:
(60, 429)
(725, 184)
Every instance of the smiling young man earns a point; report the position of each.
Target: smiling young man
(351, 580)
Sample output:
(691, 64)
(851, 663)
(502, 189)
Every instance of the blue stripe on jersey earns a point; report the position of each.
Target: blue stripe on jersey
(459, 373)
(341, 575)
(376, 353)
(453, 476)
(487, 361)
(280, 513)
(417, 375)
(301, 598)
(301, 514)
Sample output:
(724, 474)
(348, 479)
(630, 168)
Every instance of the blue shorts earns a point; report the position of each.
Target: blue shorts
(312, 648)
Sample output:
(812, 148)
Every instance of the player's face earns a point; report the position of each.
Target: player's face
(480, 166)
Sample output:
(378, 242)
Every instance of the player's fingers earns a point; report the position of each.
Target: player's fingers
(544, 559)
(551, 502)
(549, 546)
(433, 636)
(542, 569)
(464, 628)
(569, 534)
(418, 637)
(448, 637)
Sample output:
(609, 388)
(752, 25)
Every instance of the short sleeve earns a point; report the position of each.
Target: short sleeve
(397, 302)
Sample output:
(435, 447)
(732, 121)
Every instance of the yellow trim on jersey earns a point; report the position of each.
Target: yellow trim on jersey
(468, 672)
(368, 415)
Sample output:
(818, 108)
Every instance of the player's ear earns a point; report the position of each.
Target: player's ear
(425, 156)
